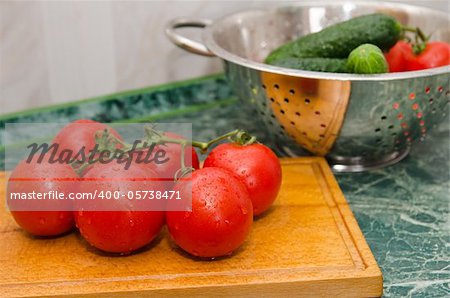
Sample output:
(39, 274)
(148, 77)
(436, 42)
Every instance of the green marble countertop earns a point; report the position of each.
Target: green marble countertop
(403, 210)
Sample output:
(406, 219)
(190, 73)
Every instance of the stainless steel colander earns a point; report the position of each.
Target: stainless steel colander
(358, 122)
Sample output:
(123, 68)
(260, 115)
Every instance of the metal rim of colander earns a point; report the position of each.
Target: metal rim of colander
(228, 56)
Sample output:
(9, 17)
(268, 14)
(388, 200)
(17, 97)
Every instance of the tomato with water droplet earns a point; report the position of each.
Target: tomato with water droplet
(221, 215)
(255, 165)
(42, 217)
(117, 225)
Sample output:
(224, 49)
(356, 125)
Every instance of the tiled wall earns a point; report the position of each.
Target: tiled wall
(53, 52)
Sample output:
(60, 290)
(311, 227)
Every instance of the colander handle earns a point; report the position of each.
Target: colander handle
(184, 42)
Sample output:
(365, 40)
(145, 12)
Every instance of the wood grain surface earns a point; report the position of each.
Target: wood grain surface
(307, 244)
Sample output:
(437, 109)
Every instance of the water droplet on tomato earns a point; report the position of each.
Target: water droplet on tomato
(131, 223)
(176, 227)
(42, 221)
(89, 221)
(227, 221)
(80, 214)
(187, 215)
(62, 216)
(244, 210)
(195, 253)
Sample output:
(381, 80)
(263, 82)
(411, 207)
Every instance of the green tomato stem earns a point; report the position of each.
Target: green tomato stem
(108, 141)
(420, 39)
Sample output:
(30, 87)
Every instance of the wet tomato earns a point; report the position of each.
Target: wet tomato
(255, 165)
(221, 215)
(42, 217)
(117, 225)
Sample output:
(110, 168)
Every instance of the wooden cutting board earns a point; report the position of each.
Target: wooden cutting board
(308, 244)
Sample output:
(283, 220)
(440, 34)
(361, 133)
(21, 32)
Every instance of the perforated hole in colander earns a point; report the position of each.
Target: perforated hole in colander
(308, 112)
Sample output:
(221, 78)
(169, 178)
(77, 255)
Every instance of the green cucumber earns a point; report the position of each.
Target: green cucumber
(337, 41)
(313, 64)
(367, 59)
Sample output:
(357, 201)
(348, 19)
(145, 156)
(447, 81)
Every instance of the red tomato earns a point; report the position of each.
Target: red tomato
(221, 215)
(41, 223)
(435, 54)
(256, 165)
(118, 231)
(173, 154)
(80, 133)
(396, 57)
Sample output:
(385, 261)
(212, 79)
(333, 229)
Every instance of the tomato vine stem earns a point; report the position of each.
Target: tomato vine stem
(108, 141)
(420, 39)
